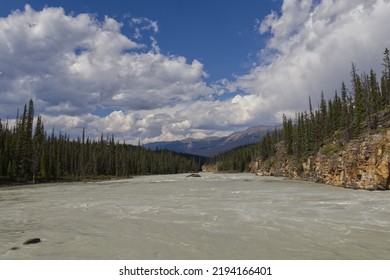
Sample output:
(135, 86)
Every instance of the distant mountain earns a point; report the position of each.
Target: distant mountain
(211, 146)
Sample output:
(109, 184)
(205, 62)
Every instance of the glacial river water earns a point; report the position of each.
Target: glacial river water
(217, 216)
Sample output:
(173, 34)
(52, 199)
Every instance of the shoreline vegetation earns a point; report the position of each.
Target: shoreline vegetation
(344, 142)
(10, 183)
(29, 154)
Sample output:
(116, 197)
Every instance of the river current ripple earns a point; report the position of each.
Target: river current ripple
(216, 216)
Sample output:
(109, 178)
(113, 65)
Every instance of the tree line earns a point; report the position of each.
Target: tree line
(343, 117)
(29, 154)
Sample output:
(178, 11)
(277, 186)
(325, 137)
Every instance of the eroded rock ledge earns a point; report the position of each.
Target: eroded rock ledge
(363, 163)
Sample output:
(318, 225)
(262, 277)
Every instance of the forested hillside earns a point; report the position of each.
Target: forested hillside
(29, 154)
(362, 109)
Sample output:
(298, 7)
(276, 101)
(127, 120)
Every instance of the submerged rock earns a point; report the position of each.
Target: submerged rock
(32, 241)
(194, 175)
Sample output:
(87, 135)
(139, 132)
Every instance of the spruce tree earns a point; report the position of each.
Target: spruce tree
(38, 145)
(359, 102)
(385, 80)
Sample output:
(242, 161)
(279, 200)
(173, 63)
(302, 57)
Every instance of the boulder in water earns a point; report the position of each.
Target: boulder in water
(32, 241)
(194, 175)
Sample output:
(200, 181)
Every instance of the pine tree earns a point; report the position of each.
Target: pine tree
(288, 134)
(323, 124)
(359, 102)
(385, 80)
(337, 111)
(344, 106)
(38, 145)
(311, 128)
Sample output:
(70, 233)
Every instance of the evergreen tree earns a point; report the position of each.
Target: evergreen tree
(38, 145)
(323, 124)
(385, 80)
(288, 134)
(347, 115)
(359, 102)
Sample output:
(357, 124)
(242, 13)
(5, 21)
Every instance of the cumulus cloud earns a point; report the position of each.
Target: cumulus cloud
(311, 49)
(75, 65)
(70, 64)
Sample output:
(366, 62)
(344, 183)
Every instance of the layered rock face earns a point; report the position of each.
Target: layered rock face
(363, 163)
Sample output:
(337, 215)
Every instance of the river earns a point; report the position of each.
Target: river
(216, 216)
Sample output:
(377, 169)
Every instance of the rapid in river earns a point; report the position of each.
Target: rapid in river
(215, 216)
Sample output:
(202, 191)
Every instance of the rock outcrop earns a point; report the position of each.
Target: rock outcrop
(210, 168)
(363, 163)
(194, 175)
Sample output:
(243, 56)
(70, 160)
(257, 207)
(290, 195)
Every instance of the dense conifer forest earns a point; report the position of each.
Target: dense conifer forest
(344, 117)
(29, 154)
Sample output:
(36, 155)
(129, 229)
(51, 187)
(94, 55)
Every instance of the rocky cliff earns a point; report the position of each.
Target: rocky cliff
(363, 163)
(210, 168)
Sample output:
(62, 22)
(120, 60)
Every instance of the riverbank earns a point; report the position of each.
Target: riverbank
(13, 183)
(362, 163)
(96, 179)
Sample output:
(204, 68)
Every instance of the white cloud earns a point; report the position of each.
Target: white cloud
(70, 64)
(141, 24)
(311, 49)
(294, 15)
(146, 24)
(78, 62)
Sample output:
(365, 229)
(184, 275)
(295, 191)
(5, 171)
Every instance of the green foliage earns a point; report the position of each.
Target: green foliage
(28, 154)
(329, 149)
(343, 118)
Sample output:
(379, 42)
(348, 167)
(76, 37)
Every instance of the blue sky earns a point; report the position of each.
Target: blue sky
(155, 70)
(219, 33)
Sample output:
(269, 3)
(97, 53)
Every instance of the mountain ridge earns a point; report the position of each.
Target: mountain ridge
(212, 146)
